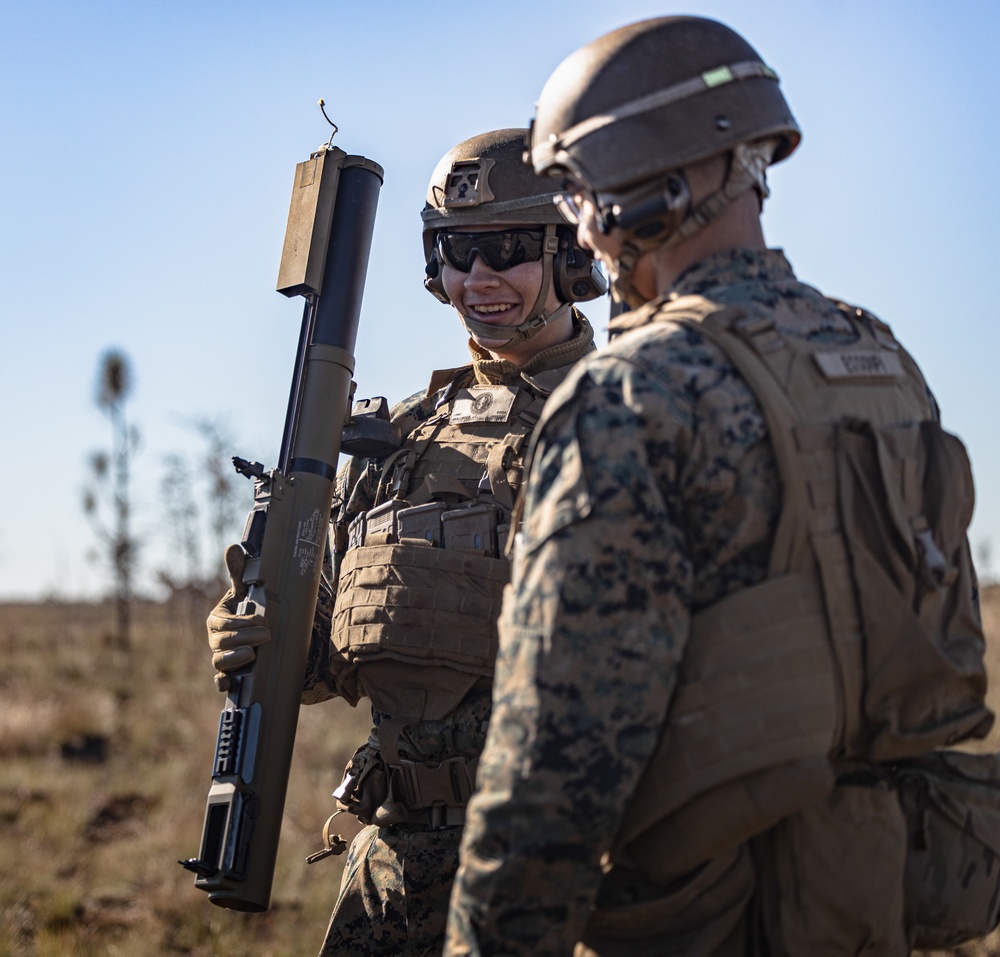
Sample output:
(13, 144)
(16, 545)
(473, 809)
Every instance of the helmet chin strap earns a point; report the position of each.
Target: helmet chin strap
(512, 334)
(621, 274)
(748, 170)
(537, 320)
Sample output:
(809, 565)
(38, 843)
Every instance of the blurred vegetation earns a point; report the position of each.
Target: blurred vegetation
(103, 787)
(103, 781)
(107, 499)
(203, 500)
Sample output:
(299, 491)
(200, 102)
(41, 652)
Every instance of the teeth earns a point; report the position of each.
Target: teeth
(496, 307)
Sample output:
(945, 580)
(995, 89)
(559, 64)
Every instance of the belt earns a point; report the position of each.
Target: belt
(425, 794)
(437, 816)
(425, 786)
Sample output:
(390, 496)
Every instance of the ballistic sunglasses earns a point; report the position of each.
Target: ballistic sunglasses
(570, 200)
(499, 249)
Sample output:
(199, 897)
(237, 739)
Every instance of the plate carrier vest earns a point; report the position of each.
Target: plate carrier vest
(421, 585)
(864, 643)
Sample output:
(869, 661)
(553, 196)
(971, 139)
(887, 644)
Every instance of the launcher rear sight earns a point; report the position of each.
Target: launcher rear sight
(248, 469)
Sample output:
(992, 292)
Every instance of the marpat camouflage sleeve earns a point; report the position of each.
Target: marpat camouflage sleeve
(649, 463)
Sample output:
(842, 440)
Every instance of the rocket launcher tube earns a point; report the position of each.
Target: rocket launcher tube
(286, 530)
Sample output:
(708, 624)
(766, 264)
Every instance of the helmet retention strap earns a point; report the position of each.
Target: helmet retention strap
(747, 170)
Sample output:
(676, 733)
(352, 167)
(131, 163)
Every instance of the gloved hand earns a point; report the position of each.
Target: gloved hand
(233, 637)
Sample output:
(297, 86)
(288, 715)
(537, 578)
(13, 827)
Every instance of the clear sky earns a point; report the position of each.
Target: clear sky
(146, 159)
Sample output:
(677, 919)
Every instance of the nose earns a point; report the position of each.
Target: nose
(583, 235)
(480, 274)
(586, 224)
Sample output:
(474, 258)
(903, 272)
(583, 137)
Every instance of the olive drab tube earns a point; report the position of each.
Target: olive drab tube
(325, 258)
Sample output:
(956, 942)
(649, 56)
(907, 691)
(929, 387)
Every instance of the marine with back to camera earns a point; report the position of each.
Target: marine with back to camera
(743, 621)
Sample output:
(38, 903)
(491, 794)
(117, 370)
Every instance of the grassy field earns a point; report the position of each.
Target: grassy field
(103, 779)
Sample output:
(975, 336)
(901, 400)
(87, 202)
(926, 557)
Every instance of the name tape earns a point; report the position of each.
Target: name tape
(857, 365)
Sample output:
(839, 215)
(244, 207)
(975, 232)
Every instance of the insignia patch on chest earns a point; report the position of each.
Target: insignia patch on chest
(483, 403)
(859, 365)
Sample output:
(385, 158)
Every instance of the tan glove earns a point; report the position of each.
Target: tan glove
(233, 637)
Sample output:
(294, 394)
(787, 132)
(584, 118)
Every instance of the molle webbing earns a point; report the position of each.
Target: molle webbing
(844, 653)
(463, 455)
(403, 602)
(460, 459)
(421, 604)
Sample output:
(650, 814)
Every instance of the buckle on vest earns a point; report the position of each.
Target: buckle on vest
(448, 784)
(762, 334)
(938, 571)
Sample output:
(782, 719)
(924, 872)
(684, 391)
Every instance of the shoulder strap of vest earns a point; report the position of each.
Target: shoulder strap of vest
(693, 308)
(443, 377)
(742, 339)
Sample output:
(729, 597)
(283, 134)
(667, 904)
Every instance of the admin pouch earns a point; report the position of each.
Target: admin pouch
(906, 498)
(418, 606)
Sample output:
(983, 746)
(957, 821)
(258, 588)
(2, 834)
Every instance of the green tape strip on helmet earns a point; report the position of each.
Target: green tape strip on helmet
(710, 79)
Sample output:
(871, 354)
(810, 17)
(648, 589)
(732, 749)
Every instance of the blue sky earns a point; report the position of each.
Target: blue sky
(146, 160)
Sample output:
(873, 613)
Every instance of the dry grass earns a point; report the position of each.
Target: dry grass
(991, 624)
(103, 781)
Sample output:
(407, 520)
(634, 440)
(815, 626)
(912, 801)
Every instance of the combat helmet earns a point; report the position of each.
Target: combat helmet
(484, 182)
(625, 114)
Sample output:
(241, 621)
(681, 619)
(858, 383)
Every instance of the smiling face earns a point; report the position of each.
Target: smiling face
(504, 299)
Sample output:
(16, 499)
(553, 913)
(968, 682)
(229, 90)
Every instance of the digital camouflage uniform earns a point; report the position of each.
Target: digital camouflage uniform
(397, 880)
(654, 493)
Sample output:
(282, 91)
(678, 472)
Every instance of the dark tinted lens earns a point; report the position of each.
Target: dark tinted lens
(499, 250)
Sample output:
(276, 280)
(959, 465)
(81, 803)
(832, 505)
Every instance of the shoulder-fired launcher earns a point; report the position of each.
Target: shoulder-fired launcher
(325, 259)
